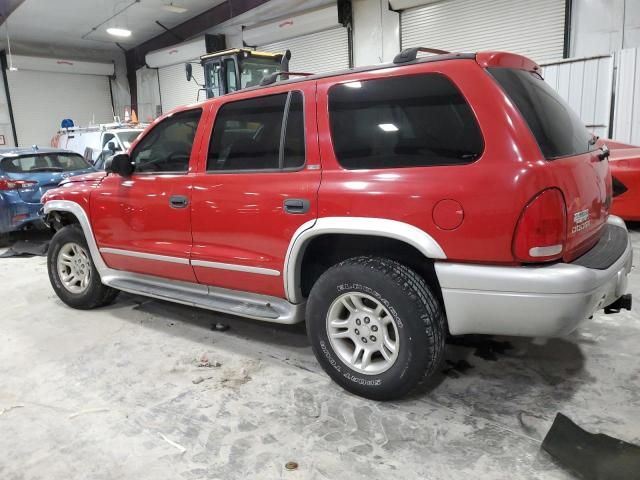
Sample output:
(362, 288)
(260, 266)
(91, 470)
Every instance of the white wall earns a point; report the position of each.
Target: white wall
(376, 32)
(5, 119)
(600, 27)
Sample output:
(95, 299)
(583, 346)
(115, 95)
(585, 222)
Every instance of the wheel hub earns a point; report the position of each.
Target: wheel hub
(74, 267)
(363, 333)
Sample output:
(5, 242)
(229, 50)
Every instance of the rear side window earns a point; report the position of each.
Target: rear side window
(557, 129)
(167, 147)
(50, 162)
(264, 133)
(410, 121)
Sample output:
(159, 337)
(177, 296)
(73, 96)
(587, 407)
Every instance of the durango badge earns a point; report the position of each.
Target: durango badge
(580, 221)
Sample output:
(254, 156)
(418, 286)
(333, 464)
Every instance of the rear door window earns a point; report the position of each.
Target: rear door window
(556, 127)
(262, 133)
(409, 121)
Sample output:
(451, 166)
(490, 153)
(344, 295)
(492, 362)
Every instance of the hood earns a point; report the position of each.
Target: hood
(86, 177)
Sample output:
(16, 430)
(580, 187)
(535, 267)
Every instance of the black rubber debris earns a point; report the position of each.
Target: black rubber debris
(591, 456)
(27, 248)
(456, 368)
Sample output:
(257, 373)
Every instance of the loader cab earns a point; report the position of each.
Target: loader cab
(231, 70)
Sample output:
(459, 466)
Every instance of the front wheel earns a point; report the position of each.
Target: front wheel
(72, 273)
(375, 327)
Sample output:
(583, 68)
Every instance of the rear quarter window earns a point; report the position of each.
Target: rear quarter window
(557, 129)
(409, 121)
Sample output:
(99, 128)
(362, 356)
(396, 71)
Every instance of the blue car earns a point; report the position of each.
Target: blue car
(25, 174)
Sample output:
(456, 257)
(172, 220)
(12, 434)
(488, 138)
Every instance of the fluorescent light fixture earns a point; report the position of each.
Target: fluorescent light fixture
(353, 85)
(119, 32)
(13, 69)
(388, 127)
(174, 8)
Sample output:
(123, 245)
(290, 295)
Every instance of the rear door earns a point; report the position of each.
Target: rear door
(570, 152)
(258, 186)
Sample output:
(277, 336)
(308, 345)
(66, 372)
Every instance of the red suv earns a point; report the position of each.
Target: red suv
(387, 206)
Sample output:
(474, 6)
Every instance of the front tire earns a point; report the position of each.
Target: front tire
(72, 272)
(375, 327)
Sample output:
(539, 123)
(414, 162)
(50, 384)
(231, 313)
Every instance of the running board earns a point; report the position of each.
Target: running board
(244, 304)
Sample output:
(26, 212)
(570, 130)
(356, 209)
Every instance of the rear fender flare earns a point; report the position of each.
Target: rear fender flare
(381, 227)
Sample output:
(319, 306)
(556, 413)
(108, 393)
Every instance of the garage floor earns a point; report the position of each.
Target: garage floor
(145, 389)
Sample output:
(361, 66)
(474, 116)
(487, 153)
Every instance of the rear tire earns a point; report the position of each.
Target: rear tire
(375, 327)
(72, 272)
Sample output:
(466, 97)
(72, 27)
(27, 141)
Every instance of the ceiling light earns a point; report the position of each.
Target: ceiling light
(119, 32)
(174, 8)
(388, 127)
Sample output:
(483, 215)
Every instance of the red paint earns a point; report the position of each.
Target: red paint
(625, 167)
(237, 218)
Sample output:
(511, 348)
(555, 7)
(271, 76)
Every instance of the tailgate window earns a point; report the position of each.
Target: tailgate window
(557, 129)
(49, 162)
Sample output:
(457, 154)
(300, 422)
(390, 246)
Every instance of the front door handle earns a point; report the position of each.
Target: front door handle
(296, 205)
(178, 201)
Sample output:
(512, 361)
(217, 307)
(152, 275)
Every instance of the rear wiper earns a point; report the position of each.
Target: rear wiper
(46, 169)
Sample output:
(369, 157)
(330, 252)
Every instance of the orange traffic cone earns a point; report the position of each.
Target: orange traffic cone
(134, 117)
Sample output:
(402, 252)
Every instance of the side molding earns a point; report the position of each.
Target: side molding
(380, 227)
(81, 215)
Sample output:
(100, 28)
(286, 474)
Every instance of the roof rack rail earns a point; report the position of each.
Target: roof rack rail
(273, 77)
(410, 54)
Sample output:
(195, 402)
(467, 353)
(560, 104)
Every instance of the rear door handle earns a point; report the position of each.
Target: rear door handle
(178, 201)
(296, 205)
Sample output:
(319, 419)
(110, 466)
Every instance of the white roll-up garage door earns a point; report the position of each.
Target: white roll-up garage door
(174, 88)
(531, 28)
(318, 52)
(41, 100)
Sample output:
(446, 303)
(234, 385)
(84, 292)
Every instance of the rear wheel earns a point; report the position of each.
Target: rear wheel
(72, 273)
(375, 327)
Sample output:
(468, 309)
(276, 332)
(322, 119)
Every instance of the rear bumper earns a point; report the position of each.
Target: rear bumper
(17, 214)
(545, 301)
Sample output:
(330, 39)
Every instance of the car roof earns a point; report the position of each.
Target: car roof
(17, 151)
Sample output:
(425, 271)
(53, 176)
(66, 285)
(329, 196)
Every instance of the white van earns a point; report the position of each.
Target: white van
(99, 142)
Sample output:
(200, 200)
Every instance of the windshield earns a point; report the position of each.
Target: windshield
(254, 68)
(127, 138)
(556, 127)
(48, 162)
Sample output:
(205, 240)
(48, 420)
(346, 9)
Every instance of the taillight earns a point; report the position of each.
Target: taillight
(16, 184)
(541, 230)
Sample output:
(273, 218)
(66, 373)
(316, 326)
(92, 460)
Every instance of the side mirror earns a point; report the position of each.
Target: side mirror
(119, 164)
(188, 69)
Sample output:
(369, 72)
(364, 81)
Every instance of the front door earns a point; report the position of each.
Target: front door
(258, 186)
(142, 223)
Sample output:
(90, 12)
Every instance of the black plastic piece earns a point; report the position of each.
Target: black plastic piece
(623, 303)
(591, 456)
(607, 251)
(618, 187)
(604, 152)
(273, 77)
(178, 201)
(296, 205)
(410, 54)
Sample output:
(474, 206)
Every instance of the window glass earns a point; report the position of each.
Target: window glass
(409, 121)
(167, 147)
(50, 162)
(253, 69)
(127, 138)
(212, 71)
(557, 129)
(108, 137)
(294, 144)
(230, 67)
(246, 134)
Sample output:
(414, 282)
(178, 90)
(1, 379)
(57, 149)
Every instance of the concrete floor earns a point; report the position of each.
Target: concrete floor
(120, 393)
